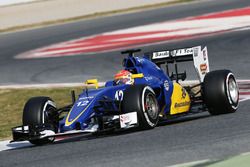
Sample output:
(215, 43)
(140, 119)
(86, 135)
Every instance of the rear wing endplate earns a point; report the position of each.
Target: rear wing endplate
(196, 54)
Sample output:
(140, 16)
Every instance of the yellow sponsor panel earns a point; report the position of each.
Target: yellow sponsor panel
(180, 100)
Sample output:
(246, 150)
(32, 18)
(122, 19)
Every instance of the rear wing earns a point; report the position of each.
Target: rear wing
(196, 54)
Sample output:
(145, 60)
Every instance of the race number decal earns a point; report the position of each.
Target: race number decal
(119, 95)
(82, 103)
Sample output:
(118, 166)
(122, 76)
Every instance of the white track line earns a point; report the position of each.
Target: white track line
(6, 145)
(190, 164)
(244, 99)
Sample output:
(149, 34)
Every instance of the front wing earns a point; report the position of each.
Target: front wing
(118, 122)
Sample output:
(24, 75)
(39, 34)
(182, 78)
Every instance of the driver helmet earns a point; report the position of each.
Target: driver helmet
(124, 77)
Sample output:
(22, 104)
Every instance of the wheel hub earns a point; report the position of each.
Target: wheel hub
(151, 106)
(233, 90)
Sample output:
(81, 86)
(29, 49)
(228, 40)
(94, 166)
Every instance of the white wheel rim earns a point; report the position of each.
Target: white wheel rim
(233, 90)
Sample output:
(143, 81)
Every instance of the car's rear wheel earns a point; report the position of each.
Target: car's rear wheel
(220, 92)
(38, 111)
(141, 99)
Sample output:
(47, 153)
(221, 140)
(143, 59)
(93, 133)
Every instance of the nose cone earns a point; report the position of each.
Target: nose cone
(82, 110)
(78, 110)
(79, 113)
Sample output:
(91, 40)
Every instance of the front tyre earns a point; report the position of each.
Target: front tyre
(141, 99)
(220, 92)
(41, 110)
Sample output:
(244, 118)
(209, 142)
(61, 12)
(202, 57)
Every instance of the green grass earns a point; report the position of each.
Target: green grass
(12, 102)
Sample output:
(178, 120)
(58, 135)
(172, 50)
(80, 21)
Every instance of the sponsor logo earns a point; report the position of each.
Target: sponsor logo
(166, 85)
(162, 54)
(182, 104)
(204, 55)
(203, 68)
(86, 98)
(125, 119)
(148, 78)
(128, 120)
(83, 101)
(183, 52)
(196, 51)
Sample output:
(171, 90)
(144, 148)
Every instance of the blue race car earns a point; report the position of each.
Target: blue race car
(143, 94)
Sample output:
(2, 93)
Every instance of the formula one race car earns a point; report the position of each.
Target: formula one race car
(140, 96)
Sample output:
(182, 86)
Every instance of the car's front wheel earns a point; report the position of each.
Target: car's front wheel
(141, 99)
(38, 111)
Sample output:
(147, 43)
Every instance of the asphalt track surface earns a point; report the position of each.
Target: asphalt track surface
(194, 138)
(103, 66)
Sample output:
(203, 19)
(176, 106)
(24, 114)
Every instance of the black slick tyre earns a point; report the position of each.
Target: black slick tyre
(220, 92)
(141, 99)
(40, 110)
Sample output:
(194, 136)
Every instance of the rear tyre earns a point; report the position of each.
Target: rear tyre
(41, 110)
(220, 92)
(141, 99)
